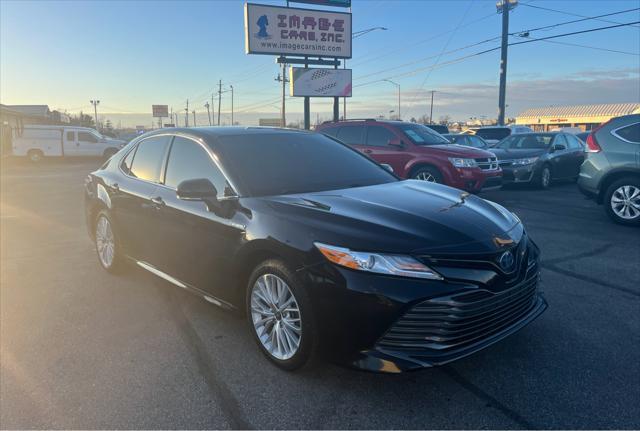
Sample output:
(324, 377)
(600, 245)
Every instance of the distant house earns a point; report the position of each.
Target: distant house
(586, 117)
(14, 117)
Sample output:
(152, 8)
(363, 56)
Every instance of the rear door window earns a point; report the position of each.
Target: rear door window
(147, 162)
(351, 135)
(630, 133)
(379, 136)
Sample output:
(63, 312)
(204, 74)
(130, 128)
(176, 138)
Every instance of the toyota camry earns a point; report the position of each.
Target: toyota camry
(326, 252)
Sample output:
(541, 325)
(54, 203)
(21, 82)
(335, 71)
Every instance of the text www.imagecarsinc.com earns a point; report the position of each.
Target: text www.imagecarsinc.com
(299, 46)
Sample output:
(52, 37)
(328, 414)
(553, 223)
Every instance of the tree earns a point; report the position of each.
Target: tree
(82, 120)
(413, 120)
(444, 119)
(424, 119)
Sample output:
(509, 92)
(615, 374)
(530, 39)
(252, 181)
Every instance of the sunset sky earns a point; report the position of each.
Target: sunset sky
(134, 54)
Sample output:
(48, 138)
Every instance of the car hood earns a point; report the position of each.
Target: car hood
(402, 217)
(455, 150)
(517, 154)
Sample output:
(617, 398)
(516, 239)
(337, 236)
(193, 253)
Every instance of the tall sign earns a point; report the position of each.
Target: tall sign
(160, 112)
(275, 30)
(315, 82)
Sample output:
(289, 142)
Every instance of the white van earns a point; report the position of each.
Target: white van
(37, 142)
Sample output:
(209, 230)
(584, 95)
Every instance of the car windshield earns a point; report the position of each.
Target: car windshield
(527, 141)
(422, 135)
(288, 163)
(495, 133)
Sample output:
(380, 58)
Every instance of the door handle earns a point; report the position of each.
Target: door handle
(368, 151)
(158, 202)
(115, 187)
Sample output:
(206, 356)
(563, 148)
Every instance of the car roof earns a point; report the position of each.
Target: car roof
(209, 132)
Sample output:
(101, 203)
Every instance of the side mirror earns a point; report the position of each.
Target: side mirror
(395, 142)
(200, 189)
(558, 147)
(387, 167)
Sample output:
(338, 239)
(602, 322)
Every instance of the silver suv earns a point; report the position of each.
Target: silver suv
(611, 170)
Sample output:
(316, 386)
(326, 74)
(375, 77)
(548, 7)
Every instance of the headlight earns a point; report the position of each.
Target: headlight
(390, 264)
(522, 162)
(463, 163)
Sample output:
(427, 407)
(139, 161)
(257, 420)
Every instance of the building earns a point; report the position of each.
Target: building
(586, 117)
(14, 117)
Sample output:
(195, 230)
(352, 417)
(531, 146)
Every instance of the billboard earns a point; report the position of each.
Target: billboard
(276, 30)
(160, 111)
(320, 82)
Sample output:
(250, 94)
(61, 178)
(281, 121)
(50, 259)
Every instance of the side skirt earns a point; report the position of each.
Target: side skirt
(205, 295)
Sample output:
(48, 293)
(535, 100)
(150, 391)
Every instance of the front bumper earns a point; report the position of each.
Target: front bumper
(393, 324)
(520, 174)
(475, 179)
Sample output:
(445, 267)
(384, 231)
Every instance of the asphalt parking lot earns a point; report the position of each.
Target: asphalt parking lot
(84, 349)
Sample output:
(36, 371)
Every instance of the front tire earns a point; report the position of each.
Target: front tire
(544, 179)
(280, 315)
(427, 173)
(107, 244)
(622, 201)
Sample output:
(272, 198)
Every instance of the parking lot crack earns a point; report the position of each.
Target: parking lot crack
(554, 268)
(491, 401)
(590, 253)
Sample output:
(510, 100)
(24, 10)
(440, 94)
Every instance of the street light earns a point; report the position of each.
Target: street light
(397, 85)
(356, 35)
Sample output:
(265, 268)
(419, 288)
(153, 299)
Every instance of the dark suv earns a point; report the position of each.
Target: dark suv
(417, 152)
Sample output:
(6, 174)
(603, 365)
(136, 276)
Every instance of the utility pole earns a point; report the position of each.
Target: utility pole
(194, 118)
(206, 105)
(283, 79)
(213, 109)
(504, 6)
(398, 86)
(186, 115)
(95, 104)
(231, 86)
(431, 111)
(219, 99)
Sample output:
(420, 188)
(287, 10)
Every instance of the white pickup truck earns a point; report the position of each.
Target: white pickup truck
(37, 142)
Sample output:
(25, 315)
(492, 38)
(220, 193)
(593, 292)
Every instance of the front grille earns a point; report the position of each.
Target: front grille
(462, 319)
(505, 163)
(487, 163)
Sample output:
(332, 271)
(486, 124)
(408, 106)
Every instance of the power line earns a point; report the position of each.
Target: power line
(565, 12)
(457, 60)
(597, 48)
(576, 20)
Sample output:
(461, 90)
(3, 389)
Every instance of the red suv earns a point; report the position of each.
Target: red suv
(417, 152)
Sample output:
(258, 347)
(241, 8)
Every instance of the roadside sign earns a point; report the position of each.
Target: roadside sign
(275, 30)
(316, 82)
(168, 125)
(160, 111)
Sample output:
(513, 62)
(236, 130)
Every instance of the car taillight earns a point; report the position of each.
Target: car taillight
(592, 144)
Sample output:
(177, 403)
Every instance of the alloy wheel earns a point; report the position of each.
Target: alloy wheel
(546, 177)
(105, 242)
(426, 176)
(276, 317)
(625, 202)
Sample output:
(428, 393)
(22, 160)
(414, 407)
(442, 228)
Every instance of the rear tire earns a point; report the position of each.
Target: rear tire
(622, 201)
(427, 173)
(107, 244)
(280, 315)
(35, 156)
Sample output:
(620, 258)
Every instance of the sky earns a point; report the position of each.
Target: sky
(130, 55)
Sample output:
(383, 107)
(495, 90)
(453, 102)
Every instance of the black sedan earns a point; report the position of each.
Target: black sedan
(323, 249)
(539, 158)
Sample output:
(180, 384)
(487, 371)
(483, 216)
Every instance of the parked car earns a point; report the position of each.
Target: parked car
(417, 152)
(467, 140)
(539, 158)
(440, 128)
(37, 142)
(323, 249)
(611, 171)
(494, 134)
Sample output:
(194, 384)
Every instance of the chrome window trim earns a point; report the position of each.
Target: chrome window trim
(212, 156)
(614, 132)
